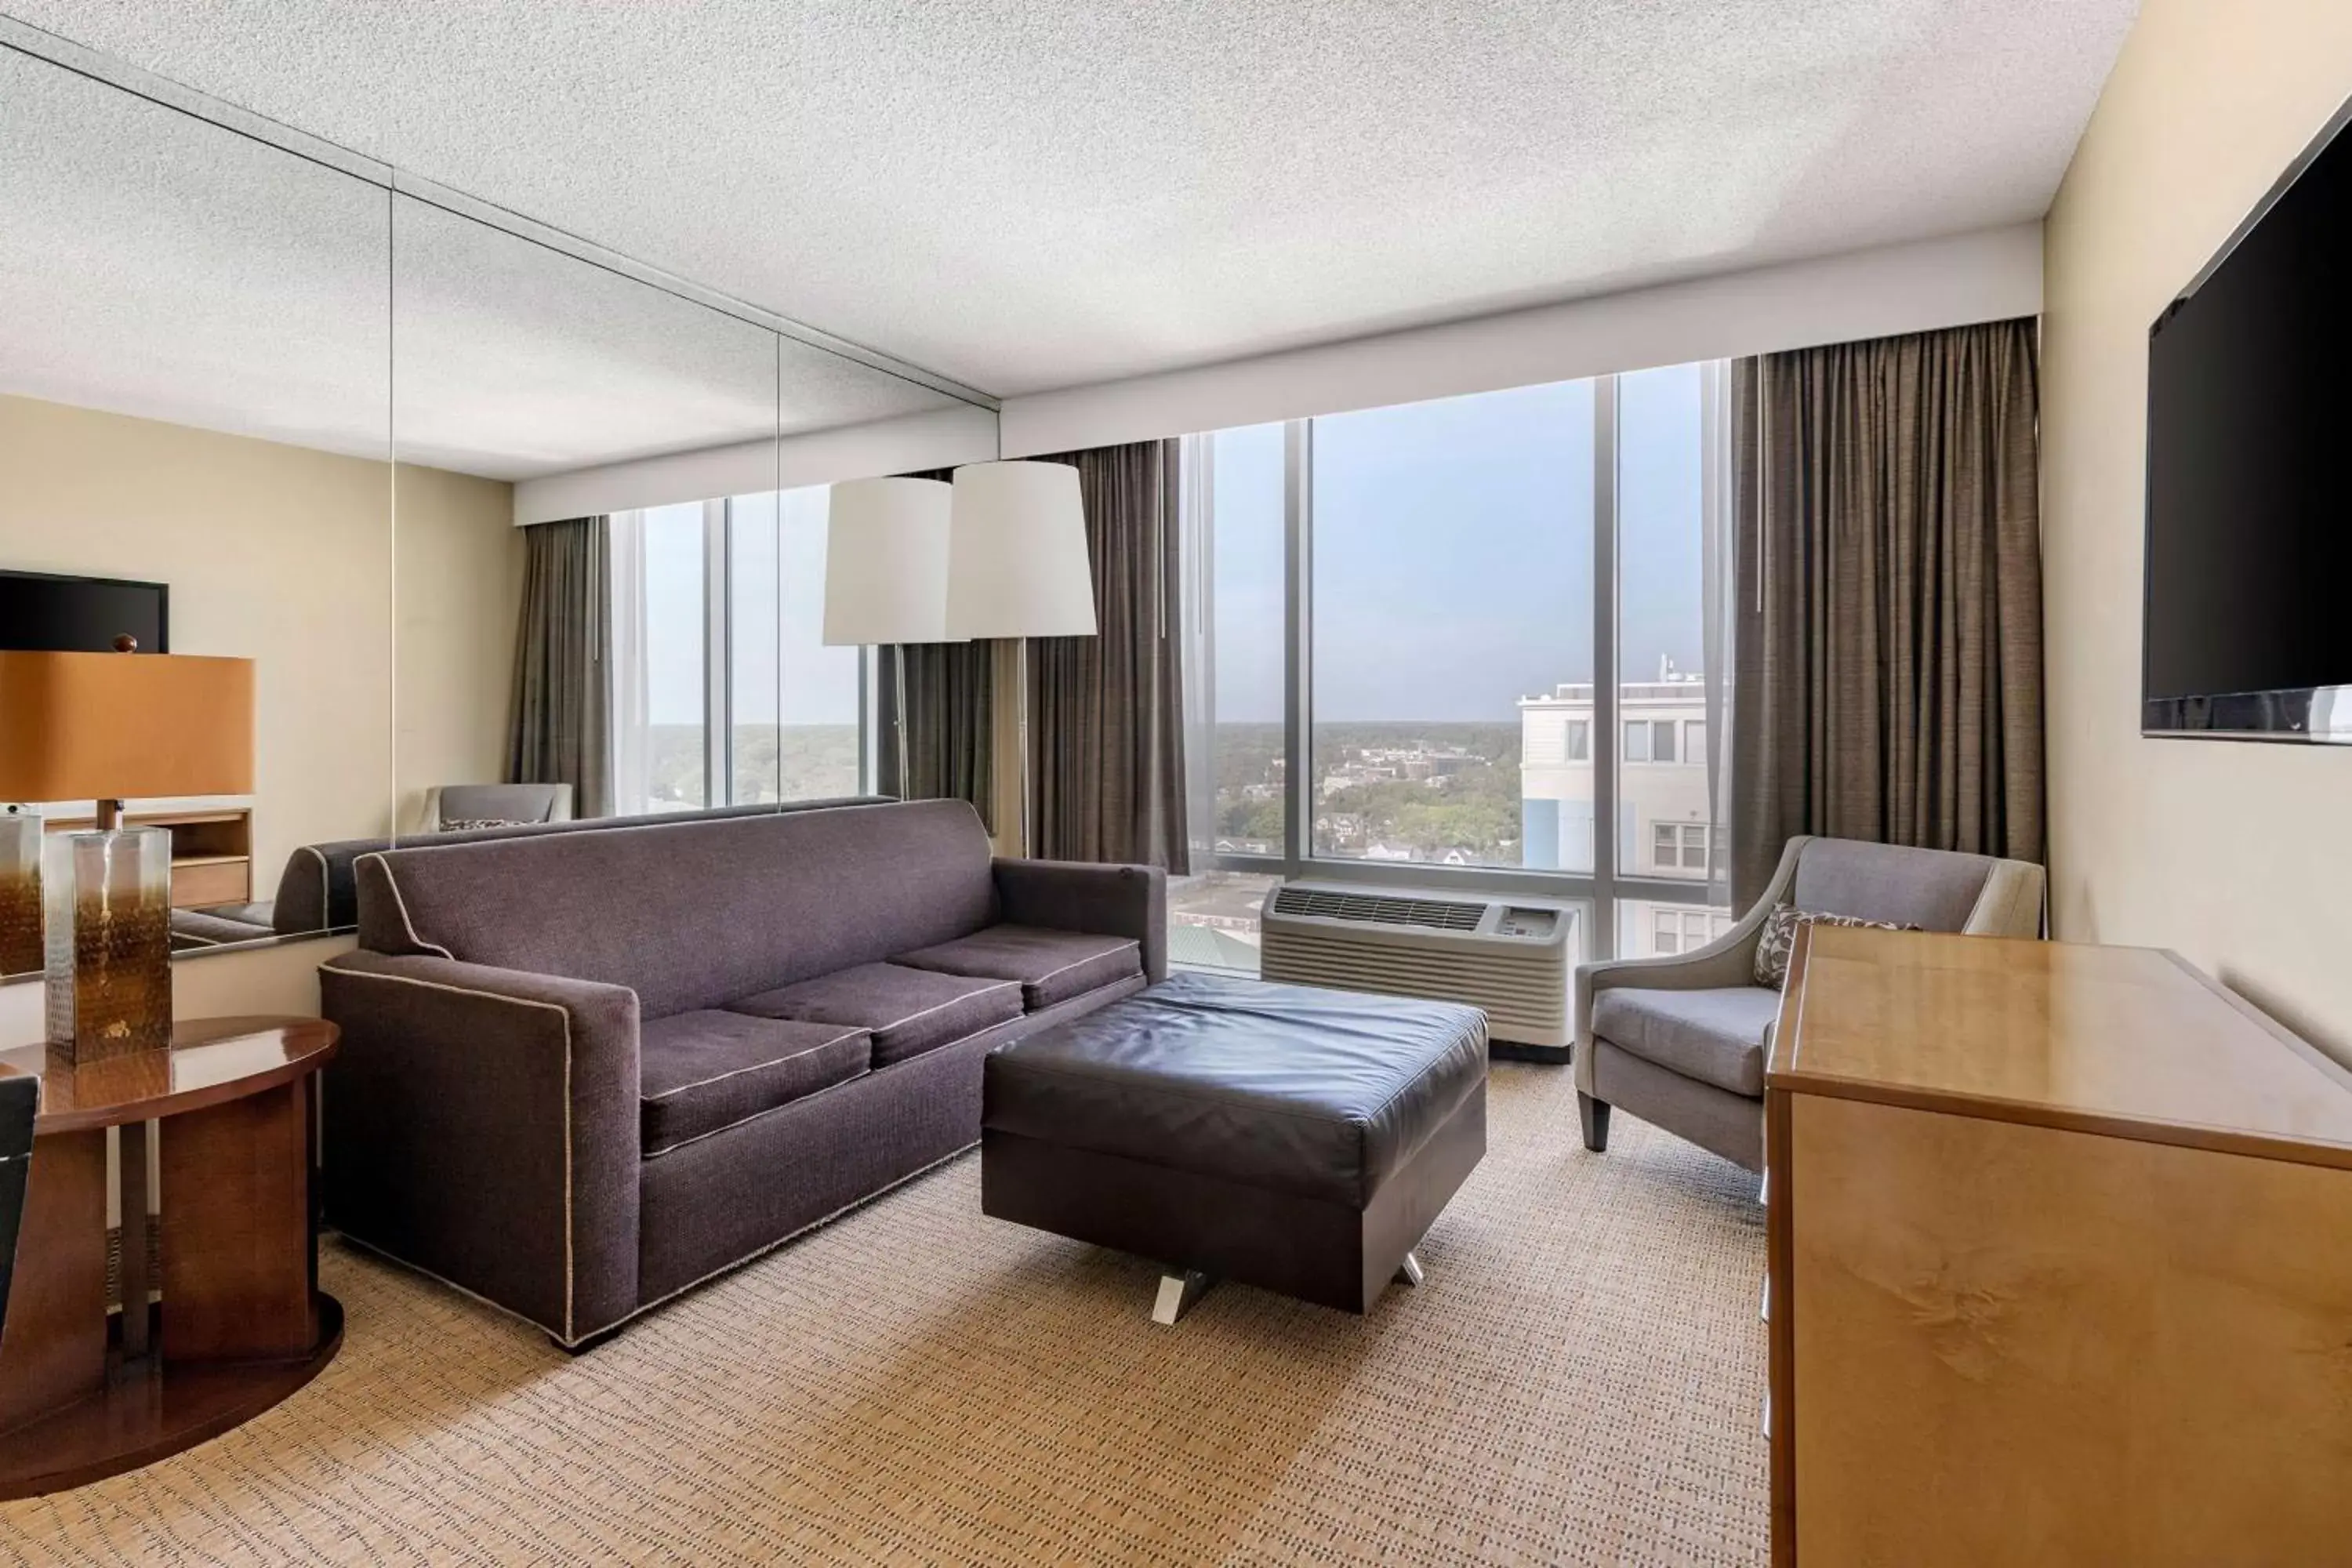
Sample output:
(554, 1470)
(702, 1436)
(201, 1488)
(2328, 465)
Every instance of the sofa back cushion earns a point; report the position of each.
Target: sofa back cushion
(691, 914)
(1934, 889)
(317, 890)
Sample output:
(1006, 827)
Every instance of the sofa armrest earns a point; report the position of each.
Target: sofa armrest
(483, 1124)
(1103, 901)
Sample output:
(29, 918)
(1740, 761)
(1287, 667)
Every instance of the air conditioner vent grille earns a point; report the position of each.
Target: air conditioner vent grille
(1370, 908)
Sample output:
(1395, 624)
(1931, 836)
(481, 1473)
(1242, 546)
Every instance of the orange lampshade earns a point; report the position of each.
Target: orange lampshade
(110, 726)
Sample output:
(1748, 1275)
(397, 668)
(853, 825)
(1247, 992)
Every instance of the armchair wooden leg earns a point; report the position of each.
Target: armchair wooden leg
(1594, 1115)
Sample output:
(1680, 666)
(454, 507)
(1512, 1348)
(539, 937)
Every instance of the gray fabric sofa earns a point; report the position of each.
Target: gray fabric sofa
(1681, 1042)
(582, 1072)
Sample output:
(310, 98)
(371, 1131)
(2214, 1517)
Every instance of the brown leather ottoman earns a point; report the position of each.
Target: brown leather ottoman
(1285, 1136)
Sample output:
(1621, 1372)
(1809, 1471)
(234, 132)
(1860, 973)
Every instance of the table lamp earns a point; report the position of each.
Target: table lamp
(1017, 567)
(885, 574)
(103, 727)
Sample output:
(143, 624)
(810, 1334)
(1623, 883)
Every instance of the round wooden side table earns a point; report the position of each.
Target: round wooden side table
(241, 1323)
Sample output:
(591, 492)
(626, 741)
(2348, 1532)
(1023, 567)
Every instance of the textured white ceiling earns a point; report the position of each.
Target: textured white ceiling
(1029, 193)
(155, 265)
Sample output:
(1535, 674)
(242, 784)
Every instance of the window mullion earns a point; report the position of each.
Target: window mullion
(1607, 735)
(718, 728)
(1298, 704)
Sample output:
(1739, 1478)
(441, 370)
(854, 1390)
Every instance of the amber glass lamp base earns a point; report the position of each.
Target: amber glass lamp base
(109, 897)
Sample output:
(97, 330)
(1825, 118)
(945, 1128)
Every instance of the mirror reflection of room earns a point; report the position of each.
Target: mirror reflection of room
(514, 534)
(193, 422)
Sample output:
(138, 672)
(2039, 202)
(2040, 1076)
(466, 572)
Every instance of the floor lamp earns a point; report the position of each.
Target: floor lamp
(885, 575)
(1017, 568)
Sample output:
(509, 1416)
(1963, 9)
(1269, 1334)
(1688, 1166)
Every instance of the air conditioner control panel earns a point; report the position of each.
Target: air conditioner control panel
(1538, 923)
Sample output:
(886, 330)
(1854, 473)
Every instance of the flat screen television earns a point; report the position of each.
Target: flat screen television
(43, 614)
(2248, 629)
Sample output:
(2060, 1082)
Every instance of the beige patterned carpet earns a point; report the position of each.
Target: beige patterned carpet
(1577, 1381)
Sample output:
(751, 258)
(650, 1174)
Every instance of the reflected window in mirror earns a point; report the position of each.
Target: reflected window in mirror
(719, 668)
(660, 662)
(823, 736)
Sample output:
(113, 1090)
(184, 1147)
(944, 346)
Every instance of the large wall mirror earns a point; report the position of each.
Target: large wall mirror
(515, 532)
(195, 420)
(660, 647)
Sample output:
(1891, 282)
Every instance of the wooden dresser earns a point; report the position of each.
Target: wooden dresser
(2061, 1263)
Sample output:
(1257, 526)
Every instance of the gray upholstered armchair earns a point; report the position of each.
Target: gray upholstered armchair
(446, 804)
(1681, 1042)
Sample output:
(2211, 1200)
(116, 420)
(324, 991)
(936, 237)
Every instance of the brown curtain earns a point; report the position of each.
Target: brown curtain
(951, 703)
(1105, 712)
(1887, 680)
(559, 722)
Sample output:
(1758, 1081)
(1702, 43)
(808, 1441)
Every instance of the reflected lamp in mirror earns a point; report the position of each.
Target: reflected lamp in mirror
(886, 574)
(104, 727)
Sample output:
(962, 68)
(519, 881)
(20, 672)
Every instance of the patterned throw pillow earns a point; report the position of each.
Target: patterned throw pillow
(469, 824)
(1779, 939)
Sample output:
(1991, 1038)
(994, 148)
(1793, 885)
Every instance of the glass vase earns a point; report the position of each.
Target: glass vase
(109, 941)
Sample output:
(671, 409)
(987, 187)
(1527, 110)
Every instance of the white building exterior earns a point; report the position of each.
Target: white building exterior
(1663, 812)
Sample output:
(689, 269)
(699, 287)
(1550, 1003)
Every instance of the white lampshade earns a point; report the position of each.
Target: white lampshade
(1018, 554)
(886, 562)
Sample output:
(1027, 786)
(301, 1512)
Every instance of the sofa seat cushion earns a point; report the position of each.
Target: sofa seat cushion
(907, 1010)
(1051, 965)
(1715, 1037)
(698, 1073)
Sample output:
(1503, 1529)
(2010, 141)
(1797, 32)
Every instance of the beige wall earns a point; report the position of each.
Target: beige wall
(460, 584)
(285, 555)
(2234, 854)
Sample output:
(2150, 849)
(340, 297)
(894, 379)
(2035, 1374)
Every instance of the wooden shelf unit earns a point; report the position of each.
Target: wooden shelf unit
(212, 851)
(2061, 1263)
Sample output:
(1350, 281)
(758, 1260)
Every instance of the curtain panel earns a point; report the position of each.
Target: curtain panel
(1106, 712)
(948, 751)
(1887, 673)
(560, 721)
(951, 715)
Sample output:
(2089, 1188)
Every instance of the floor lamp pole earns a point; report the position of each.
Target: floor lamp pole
(1021, 732)
(898, 703)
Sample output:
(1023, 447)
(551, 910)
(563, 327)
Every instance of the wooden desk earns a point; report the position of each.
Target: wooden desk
(241, 1323)
(2061, 1243)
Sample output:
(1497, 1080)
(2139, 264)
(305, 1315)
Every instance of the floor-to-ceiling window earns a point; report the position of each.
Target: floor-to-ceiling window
(719, 670)
(1441, 643)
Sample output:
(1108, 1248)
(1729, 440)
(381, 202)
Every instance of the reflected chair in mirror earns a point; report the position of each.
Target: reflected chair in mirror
(20, 1103)
(450, 807)
(1681, 1041)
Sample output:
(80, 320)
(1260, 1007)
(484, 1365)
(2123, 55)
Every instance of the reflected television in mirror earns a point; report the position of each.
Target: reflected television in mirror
(48, 612)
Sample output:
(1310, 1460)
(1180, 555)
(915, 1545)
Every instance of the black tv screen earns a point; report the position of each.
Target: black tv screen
(2249, 586)
(45, 613)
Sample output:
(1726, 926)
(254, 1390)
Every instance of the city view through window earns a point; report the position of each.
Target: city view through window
(1452, 605)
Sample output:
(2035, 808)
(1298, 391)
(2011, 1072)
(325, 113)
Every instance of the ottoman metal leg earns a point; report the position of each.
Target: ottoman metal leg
(1179, 1293)
(1408, 1271)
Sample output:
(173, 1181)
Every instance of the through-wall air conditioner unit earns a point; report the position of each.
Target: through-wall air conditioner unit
(1506, 955)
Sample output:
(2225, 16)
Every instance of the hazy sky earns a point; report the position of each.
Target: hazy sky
(1452, 570)
(1453, 550)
